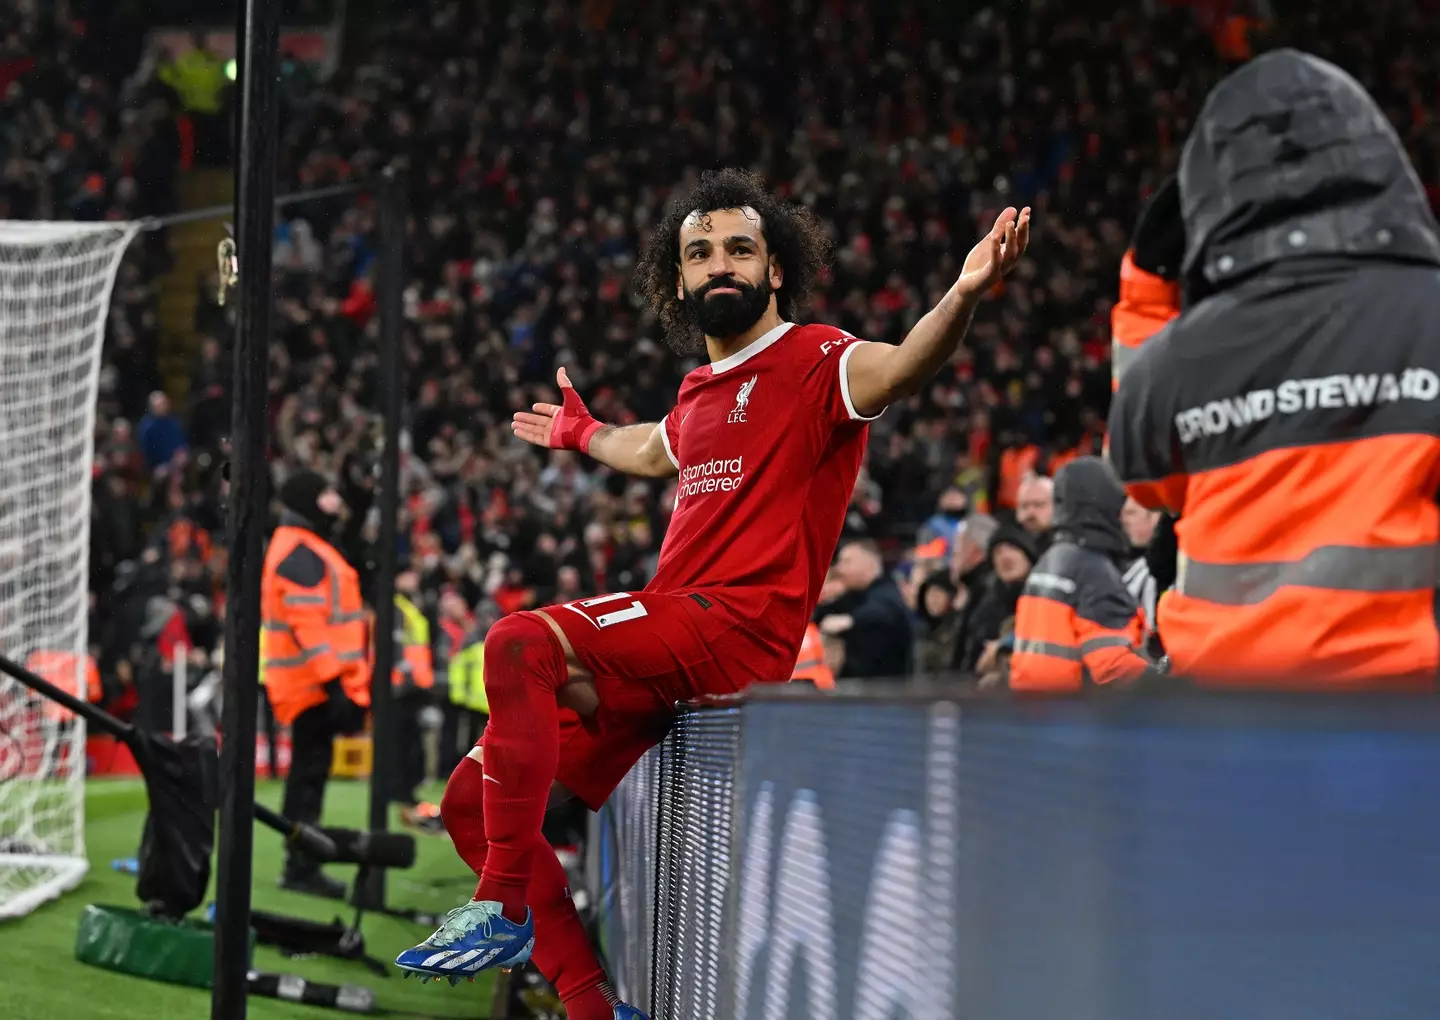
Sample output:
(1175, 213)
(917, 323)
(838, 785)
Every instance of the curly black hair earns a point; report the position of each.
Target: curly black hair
(793, 234)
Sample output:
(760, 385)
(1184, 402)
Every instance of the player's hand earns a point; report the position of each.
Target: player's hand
(996, 253)
(564, 426)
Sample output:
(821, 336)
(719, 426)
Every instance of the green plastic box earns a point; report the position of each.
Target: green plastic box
(131, 942)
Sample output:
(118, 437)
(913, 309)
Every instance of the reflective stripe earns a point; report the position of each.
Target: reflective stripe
(1121, 358)
(298, 660)
(336, 614)
(358, 656)
(1032, 647)
(304, 600)
(275, 628)
(1108, 641)
(1336, 567)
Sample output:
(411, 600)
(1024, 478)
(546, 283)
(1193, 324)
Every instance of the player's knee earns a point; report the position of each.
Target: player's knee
(462, 806)
(522, 649)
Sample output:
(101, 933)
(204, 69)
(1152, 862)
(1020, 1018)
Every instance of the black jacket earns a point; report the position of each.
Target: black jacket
(1311, 252)
(881, 644)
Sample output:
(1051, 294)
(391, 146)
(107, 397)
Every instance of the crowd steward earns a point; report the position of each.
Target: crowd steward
(538, 142)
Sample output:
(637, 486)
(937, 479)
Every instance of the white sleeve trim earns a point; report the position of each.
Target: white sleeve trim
(845, 383)
(665, 442)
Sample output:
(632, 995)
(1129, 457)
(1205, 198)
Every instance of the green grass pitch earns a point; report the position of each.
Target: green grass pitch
(42, 980)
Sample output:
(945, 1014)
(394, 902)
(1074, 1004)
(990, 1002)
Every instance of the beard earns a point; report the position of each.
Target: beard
(726, 315)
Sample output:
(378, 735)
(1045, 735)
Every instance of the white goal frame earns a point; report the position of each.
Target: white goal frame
(56, 284)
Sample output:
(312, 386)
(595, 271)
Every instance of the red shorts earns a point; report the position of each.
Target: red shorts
(647, 651)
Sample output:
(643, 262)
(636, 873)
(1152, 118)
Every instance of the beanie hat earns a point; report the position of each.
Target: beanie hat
(1017, 537)
(301, 495)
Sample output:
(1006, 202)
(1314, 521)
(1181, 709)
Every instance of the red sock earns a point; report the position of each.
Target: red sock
(562, 949)
(462, 811)
(524, 667)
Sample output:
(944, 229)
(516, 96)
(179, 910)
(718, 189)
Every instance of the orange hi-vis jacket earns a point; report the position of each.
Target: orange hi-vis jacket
(1290, 417)
(811, 664)
(1015, 463)
(415, 667)
(314, 624)
(74, 674)
(1075, 622)
(419, 668)
(1147, 302)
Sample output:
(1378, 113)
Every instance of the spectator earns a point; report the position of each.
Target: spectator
(1140, 525)
(870, 617)
(1011, 554)
(971, 573)
(162, 636)
(162, 434)
(940, 625)
(1035, 509)
(950, 511)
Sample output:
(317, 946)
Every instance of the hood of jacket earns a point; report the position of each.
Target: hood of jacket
(1088, 501)
(1291, 157)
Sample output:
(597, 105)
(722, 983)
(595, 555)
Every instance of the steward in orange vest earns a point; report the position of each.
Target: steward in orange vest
(1076, 624)
(413, 679)
(414, 663)
(315, 655)
(71, 673)
(1290, 417)
(314, 623)
(811, 664)
(1149, 279)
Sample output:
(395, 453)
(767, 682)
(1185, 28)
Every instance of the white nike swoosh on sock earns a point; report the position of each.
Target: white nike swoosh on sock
(490, 779)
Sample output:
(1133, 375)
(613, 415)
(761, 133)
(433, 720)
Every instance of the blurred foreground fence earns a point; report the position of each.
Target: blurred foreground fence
(885, 853)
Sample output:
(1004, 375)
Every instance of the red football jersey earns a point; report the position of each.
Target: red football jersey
(768, 446)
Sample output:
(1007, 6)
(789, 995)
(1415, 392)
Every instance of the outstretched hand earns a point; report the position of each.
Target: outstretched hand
(564, 426)
(996, 253)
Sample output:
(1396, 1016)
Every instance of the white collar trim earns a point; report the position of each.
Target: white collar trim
(751, 349)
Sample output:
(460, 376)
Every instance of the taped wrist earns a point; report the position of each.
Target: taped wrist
(574, 426)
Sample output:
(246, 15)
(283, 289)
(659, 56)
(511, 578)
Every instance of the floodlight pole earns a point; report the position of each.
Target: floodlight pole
(246, 515)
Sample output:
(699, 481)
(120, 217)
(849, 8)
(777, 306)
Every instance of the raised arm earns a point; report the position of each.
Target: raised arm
(879, 374)
(631, 449)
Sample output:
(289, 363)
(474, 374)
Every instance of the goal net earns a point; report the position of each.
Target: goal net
(55, 285)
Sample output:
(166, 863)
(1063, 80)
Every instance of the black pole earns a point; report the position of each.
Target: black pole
(92, 714)
(210, 212)
(248, 501)
(390, 298)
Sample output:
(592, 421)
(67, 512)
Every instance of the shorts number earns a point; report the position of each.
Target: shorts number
(633, 611)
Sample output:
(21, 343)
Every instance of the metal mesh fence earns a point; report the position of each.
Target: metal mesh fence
(627, 849)
(697, 796)
(869, 860)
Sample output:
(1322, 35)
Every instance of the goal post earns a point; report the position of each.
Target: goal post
(56, 281)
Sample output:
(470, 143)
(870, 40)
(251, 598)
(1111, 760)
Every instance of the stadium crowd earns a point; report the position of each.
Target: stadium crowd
(538, 142)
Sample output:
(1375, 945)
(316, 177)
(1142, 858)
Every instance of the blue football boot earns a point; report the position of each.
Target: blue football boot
(624, 1012)
(474, 937)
